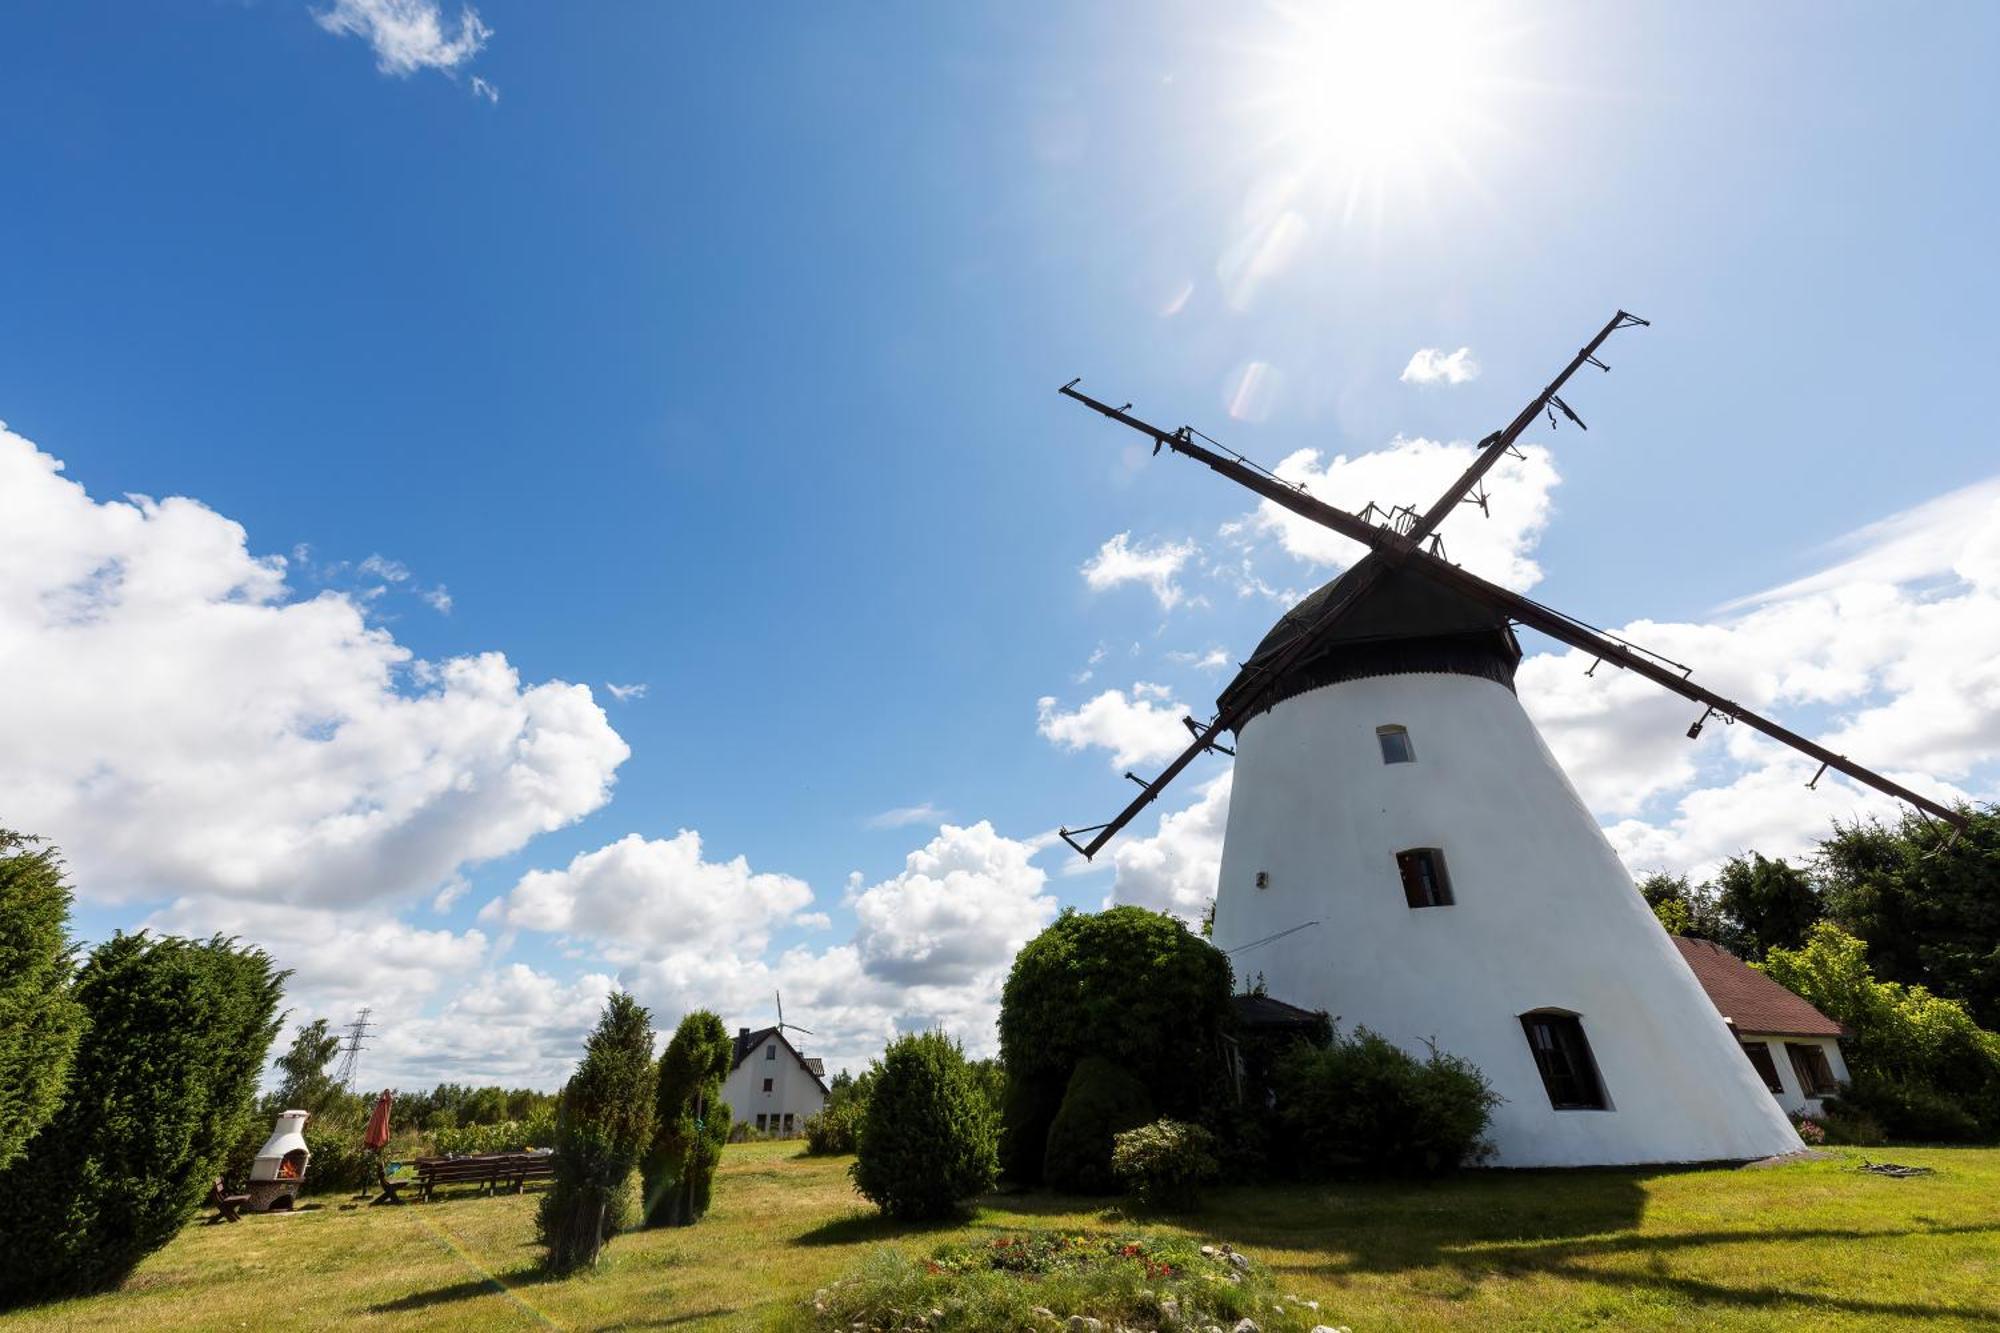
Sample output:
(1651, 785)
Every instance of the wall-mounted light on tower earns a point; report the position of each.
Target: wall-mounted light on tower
(1263, 879)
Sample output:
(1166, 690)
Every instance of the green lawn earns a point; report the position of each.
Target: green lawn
(1813, 1244)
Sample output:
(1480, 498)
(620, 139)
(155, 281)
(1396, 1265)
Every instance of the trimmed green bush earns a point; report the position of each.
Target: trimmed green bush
(1165, 1164)
(163, 1081)
(602, 1123)
(928, 1141)
(691, 1122)
(1908, 1112)
(1364, 1105)
(1101, 1102)
(40, 1020)
(1128, 985)
(835, 1130)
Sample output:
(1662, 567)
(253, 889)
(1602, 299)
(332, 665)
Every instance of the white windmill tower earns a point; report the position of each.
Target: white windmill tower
(1404, 852)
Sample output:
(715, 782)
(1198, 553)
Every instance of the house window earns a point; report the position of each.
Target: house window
(1395, 742)
(767, 1085)
(1760, 1060)
(1424, 881)
(771, 1051)
(788, 1122)
(1563, 1057)
(762, 1121)
(1815, 1074)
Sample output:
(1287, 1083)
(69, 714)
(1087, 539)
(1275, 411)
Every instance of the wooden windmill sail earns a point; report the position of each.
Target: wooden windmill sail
(1404, 852)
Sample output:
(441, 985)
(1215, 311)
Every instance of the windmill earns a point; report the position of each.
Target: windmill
(1403, 851)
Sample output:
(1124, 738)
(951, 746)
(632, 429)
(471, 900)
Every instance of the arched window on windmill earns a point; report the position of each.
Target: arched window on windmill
(1395, 743)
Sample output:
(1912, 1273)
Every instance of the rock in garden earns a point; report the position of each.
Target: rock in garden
(1241, 1261)
(1170, 1309)
(1084, 1324)
(1208, 1251)
(1246, 1326)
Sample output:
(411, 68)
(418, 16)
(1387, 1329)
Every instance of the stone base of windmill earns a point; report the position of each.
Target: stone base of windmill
(272, 1196)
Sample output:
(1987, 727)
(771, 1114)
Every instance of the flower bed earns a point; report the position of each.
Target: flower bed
(1075, 1283)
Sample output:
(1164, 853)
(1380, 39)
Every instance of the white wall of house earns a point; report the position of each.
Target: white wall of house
(1544, 918)
(1791, 1094)
(771, 1090)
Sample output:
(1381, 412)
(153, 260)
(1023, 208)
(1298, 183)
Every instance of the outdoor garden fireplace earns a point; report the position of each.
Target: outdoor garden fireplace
(280, 1168)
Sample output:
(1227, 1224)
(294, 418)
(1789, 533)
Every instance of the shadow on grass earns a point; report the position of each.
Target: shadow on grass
(860, 1227)
(470, 1289)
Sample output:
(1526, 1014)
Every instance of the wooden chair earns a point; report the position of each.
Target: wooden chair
(390, 1187)
(227, 1205)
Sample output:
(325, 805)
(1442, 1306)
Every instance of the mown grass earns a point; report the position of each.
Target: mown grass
(1811, 1244)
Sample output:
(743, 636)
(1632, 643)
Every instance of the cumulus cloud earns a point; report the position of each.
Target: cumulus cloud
(1120, 561)
(1143, 726)
(1497, 545)
(411, 35)
(1176, 869)
(1430, 365)
(960, 908)
(181, 723)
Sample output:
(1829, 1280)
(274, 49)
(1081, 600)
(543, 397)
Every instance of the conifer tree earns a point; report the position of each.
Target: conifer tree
(40, 1020)
(691, 1122)
(602, 1124)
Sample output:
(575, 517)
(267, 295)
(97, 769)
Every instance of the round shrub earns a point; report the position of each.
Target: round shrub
(1165, 1164)
(928, 1138)
(1364, 1104)
(1102, 1101)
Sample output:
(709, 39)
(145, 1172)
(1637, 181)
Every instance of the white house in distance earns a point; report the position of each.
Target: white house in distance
(1404, 853)
(771, 1087)
(1794, 1048)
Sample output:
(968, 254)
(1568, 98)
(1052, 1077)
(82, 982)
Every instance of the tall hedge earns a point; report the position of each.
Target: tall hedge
(928, 1142)
(1101, 1102)
(603, 1123)
(40, 1020)
(691, 1122)
(1128, 985)
(162, 1085)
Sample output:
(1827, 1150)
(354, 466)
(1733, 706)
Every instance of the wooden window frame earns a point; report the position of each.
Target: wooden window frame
(1401, 735)
(1421, 889)
(1766, 1067)
(1814, 1070)
(1566, 1063)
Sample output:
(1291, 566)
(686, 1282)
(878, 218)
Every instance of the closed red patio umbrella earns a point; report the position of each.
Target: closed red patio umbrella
(377, 1137)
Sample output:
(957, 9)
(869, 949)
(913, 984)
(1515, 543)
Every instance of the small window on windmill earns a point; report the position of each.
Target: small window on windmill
(1563, 1058)
(1760, 1060)
(1424, 881)
(1395, 743)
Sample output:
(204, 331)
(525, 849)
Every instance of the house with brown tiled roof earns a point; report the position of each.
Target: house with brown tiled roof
(1794, 1047)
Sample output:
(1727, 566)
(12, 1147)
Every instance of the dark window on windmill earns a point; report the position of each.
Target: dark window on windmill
(1424, 882)
(1760, 1060)
(1815, 1074)
(1395, 742)
(1562, 1055)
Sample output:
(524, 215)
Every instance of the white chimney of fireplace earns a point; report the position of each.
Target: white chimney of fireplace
(280, 1167)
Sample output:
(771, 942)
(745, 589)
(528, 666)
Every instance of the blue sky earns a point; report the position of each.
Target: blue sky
(716, 353)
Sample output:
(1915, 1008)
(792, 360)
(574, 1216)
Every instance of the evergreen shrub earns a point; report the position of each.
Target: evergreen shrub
(928, 1141)
(1364, 1105)
(40, 1020)
(1165, 1164)
(603, 1120)
(691, 1122)
(1101, 1102)
(837, 1129)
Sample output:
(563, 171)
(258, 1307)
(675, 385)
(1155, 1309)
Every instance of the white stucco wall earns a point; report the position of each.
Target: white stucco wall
(1545, 917)
(793, 1092)
(1792, 1099)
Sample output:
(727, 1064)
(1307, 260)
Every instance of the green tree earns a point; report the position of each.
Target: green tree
(161, 1087)
(928, 1142)
(603, 1121)
(1928, 906)
(1772, 903)
(303, 1082)
(40, 1019)
(1132, 986)
(1688, 909)
(691, 1122)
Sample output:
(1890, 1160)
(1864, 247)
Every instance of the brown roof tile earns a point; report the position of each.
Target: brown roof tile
(1748, 998)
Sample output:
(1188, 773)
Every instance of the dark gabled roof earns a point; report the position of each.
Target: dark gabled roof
(752, 1039)
(1403, 623)
(1261, 1011)
(1751, 1001)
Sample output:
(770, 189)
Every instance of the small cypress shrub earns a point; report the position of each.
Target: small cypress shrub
(602, 1123)
(928, 1141)
(1101, 1102)
(40, 1020)
(691, 1122)
(1365, 1105)
(1165, 1164)
(162, 1086)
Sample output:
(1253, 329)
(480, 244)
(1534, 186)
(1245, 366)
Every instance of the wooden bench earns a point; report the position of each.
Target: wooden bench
(490, 1171)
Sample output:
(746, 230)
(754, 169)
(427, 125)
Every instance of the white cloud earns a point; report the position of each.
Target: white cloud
(625, 694)
(1212, 660)
(1119, 561)
(1431, 366)
(1145, 726)
(637, 896)
(438, 597)
(963, 904)
(481, 88)
(181, 724)
(1414, 472)
(410, 35)
(1176, 870)
(905, 815)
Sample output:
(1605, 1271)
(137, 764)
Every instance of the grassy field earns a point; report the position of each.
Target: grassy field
(1811, 1244)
